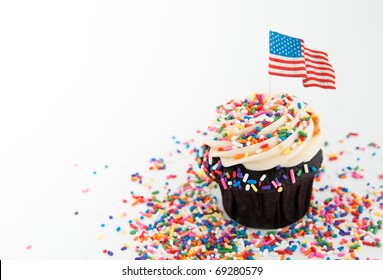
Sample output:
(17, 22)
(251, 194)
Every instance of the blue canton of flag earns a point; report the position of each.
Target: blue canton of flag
(285, 45)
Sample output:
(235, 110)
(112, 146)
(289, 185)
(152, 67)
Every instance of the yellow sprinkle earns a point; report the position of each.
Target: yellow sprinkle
(284, 127)
(379, 214)
(123, 232)
(359, 248)
(285, 152)
(253, 187)
(101, 236)
(280, 189)
(171, 232)
(126, 245)
(246, 154)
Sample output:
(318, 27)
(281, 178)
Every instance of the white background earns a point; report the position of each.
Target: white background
(109, 82)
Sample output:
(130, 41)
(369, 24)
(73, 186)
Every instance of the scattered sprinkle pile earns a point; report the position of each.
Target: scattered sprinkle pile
(188, 223)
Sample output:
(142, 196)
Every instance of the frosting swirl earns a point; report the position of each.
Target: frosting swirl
(262, 132)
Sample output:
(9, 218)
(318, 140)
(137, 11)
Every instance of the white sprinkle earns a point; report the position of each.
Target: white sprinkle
(230, 183)
(293, 146)
(258, 151)
(233, 138)
(306, 168)
(247, 188)
(239, 145)
(263, 177)
(290, 117)
(245, 177)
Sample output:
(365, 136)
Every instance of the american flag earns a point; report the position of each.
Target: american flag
(290, 58)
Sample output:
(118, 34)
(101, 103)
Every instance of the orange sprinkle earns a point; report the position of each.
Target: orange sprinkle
(239, 156)
(316, 131)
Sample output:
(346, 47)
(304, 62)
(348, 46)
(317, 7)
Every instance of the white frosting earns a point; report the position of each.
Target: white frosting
(230, 141)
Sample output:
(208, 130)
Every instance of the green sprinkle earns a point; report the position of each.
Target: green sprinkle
(299, 172)
(155, 192)
(302, 133)
(220, 129)
(133, 231)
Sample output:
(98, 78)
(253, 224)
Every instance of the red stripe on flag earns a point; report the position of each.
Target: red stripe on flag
(320, 85)
(287, 75)
(286, 61)
(320, 74)
(287, 68)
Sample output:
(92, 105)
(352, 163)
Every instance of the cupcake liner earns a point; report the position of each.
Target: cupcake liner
(281, 198)
(268, 210)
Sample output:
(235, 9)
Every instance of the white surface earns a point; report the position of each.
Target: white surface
(95, 83)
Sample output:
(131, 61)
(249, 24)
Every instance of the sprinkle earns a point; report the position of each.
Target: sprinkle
(254, 187)
(274, 184)
(292, 176)
(267, 187)
(286, 151)
(247, 188)
(263, 177)
(306, 168)
(239, 156)
(29, 247)
(224, 183)
(245, 177)
(332, 157)
(110, 253)
(303, 133)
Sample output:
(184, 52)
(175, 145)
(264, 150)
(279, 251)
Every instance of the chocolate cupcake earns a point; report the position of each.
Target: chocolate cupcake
(264, 153)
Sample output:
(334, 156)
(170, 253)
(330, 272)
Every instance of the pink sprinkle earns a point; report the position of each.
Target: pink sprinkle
(29, 247)
(141, 225)
(341, 254)
(312, 254)
(171, 176)
(292, 175)
(259, 113)
(274, 184)
(223, 183)
(85, 190)
(357, 175)
(186, 233)
(319, 255)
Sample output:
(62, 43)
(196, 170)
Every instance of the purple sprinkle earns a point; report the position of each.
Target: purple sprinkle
(285, 177)
(278, 167)
(76, 213)
(110, 253)
(123, 248)
(267, 187)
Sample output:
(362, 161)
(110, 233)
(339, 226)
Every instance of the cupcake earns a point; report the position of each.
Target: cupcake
(264, 152)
